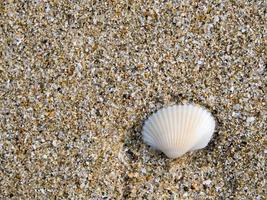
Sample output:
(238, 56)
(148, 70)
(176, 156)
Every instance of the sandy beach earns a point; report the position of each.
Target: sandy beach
(79, 78)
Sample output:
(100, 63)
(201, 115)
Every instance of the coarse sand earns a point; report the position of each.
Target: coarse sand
(79, 78)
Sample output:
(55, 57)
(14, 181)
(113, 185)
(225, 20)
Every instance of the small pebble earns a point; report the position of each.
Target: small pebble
(250, 119)
(207, 182)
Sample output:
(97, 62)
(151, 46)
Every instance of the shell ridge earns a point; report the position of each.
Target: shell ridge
(189, 117)
(171, 125)
(205, 131)
(148, 140)
(175, 126)
(149, 133)
(165, 117)
(168, 117)
(159, 126)
(186, 133)
(183, 128)
(157, 132)
(178, 129)
(197, 119)
(179, 126)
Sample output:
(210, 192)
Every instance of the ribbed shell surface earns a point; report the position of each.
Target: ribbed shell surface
(177, 129)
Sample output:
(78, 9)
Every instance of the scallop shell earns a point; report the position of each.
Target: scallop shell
(178, 129)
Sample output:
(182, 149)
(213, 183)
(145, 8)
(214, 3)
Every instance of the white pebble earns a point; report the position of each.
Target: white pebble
(237, 107)
(236, 114)
(207, 182)
(200, 62)
(54, 143)
(250, 119)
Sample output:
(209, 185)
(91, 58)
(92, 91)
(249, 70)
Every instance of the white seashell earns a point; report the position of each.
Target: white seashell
(178, 129)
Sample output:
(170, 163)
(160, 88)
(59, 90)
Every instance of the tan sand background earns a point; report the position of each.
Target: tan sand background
(78, 79)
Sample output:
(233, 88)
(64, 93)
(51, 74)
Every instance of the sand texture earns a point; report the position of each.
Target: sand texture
(79, 78)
